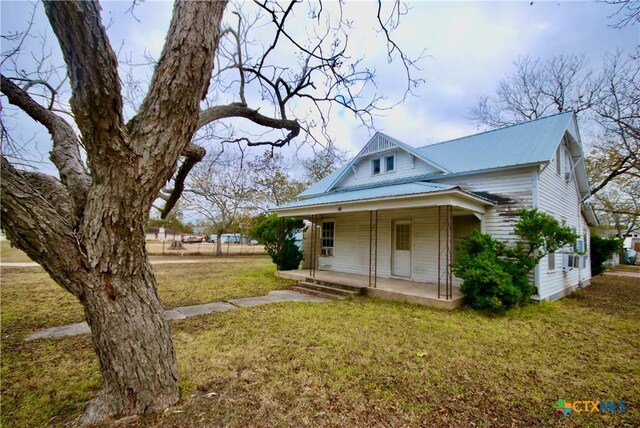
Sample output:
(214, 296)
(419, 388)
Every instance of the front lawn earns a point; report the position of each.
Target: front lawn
(354, 363)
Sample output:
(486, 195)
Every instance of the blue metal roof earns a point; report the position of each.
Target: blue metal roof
(522, 144)
(370, 193)
(528, 143)
(323, 185)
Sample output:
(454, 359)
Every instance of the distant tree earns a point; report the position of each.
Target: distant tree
(537, 88)
(619, 206)
(271, 177)
(607, 104)
(174, 221)
(323, 163)
(219, 192)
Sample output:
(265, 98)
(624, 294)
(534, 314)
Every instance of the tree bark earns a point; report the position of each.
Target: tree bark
(87, 230)
(132, 339)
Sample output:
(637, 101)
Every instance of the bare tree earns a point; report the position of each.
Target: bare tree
(606, 104)
(538, 88)
(86, 229)
(271, 177)
(323, 163)
(627, 12)
(619, 206)
(219, 193)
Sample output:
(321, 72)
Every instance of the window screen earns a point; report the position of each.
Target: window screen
(403, 237)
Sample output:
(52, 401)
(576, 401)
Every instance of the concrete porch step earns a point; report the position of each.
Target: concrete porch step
(323, 290)
(353, 289)
(317, 293)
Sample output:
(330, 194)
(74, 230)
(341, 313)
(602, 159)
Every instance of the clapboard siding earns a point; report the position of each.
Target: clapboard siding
(512, 190)
(406, 166)
(560, 198)
(544, 187)
(351, 250)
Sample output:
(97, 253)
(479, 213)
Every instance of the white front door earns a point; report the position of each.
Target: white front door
(401, 250)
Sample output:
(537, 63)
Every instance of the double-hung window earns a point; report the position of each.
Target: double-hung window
(375, 166)
(383, 164)
(390, 163)
(328, 237)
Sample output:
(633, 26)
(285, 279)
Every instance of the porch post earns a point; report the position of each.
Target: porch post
(445, 280)
(314, 244)
(373, 248)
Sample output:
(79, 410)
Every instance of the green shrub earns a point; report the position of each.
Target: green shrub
(495, 276)
(601, 250)
(278, 237)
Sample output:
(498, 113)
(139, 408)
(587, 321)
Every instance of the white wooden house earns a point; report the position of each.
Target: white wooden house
(397, 212)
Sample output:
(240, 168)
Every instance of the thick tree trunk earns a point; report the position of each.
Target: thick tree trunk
(87, 229)
(133, 343)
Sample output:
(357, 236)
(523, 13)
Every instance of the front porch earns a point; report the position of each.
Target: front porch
(400, 290)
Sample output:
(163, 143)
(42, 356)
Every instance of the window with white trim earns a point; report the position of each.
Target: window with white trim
(390, 163)
(551, 261)
(328, 238)
(375, 166)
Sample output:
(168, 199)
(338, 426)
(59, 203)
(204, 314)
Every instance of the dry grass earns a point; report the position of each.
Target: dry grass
(11, 254)
(352, 363)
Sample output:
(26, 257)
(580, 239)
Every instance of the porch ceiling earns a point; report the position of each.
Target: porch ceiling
(412, 195)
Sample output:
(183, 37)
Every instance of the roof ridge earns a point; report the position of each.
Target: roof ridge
(420, 180)
(497, 129)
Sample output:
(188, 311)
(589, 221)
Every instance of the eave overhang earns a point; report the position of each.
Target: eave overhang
(453, 197)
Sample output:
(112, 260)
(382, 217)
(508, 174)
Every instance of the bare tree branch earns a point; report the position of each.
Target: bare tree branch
(193, 154)
(36, 225)
(66, 146)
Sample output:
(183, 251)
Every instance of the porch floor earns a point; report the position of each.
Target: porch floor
(420, 293)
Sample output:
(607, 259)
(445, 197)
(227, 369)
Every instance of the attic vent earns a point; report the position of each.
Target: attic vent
(379, 144)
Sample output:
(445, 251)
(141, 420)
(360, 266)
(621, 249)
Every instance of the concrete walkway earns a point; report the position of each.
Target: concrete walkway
(153, 262)
(183, 312)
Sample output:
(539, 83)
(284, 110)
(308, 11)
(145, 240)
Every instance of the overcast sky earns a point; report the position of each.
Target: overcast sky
(470, 47)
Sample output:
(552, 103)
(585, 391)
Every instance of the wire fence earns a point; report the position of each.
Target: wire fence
(201, 249)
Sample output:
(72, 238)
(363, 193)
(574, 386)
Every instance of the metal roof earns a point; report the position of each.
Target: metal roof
(529, 143)
(370, 193)
(323, 185)
(523, 144)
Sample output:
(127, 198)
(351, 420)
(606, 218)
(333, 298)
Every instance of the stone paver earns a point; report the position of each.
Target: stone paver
(184, 312)
(63, 330)
(207, 308)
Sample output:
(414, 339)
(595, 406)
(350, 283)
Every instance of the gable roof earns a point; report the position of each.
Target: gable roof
(330, 181)
(528, 143)
(522, 144)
